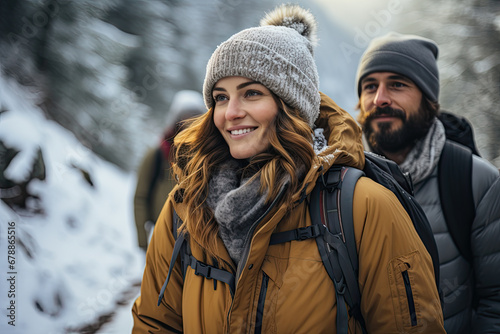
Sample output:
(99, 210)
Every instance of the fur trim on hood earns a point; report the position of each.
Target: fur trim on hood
(344, 137)
(342, 132)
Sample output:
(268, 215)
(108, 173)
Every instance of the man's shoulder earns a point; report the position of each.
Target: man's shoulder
(484, 175)
(481, 166)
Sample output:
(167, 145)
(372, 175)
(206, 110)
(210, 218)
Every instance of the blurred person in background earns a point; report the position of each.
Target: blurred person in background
(398, 89)
(154, 177)
(245, 170)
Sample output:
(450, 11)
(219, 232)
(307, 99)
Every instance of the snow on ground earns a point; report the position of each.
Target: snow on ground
(74, 264)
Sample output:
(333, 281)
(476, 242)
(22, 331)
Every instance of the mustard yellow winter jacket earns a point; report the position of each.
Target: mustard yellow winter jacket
(298, 295)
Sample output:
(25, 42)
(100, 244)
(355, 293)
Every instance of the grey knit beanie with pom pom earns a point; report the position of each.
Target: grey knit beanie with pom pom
(278, 54)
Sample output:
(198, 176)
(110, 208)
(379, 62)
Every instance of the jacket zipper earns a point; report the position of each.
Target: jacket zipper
(260, 306)
(244, 257)
(409, 296)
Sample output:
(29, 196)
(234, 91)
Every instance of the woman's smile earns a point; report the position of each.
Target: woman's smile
(240, 132)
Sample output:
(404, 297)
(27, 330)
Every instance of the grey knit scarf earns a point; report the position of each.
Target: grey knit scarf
(236, 204)
(424, 156)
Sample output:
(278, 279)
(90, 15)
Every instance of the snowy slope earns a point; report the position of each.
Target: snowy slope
(75, 261)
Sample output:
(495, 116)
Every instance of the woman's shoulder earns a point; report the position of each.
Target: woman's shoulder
(373, 193)
(174, 204)
(381, 222)
(377, 209)
(172, 210)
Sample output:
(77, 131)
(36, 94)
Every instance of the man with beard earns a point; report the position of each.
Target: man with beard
(398, 89)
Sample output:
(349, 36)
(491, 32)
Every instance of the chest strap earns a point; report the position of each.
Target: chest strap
(211, 272)
(301, 233)
(200, 268)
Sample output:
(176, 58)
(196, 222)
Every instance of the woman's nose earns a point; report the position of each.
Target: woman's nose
(234, 109)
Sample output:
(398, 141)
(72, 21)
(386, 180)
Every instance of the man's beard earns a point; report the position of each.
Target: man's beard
(392, 141)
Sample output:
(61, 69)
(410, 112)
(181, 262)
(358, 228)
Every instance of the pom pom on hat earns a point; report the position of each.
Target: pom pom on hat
(294, 17)
(278, 54)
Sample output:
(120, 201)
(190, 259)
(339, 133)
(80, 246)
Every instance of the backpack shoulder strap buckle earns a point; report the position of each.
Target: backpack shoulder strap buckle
(202, 269)
(307, 232)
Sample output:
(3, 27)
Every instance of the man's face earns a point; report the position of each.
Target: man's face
(391, 113)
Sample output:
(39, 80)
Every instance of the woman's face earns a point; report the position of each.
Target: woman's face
(244, 113)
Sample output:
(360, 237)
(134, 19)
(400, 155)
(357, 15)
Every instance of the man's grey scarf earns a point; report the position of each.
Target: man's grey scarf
(236, 204)
(424, 156)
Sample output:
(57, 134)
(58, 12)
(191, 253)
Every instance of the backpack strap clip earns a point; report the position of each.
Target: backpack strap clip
(202, 269)
(308, 232)
(301, 233)
(211, 272)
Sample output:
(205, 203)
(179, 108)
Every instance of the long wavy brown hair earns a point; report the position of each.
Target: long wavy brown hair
(200, 149)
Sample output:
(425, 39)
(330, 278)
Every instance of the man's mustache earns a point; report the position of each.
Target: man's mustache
(385, 111)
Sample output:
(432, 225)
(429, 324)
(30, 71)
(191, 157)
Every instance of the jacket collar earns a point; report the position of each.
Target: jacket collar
(344, 138)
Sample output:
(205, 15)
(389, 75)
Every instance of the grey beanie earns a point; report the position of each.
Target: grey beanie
(409, 55)
(278, 54)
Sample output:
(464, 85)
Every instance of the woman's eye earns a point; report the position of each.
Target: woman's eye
(251, 92)
(220, 97)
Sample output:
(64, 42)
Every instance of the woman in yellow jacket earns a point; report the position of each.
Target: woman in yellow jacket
(243, 169)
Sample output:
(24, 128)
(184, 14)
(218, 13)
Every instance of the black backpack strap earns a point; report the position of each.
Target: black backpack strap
(455, 192)
(175, 254)
(378, 168)
(328, 256)
(185, 250)
(346, 213)
(332, 206)
(349, 179)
